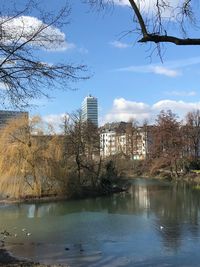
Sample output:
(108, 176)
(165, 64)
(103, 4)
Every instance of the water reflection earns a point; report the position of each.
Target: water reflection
(160, 219)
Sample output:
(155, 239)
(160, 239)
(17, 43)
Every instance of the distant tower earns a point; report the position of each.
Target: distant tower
(90, 109)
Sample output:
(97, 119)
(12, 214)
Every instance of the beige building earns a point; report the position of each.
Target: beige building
(113, 139)
(122, 138)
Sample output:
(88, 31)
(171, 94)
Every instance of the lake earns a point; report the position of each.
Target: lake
(154, 224)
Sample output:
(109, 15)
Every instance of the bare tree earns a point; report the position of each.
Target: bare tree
(192, 131)
(167, 146)
(65, 138)
(155, 20)
(132, 138)
(85, 148)
(23, 73)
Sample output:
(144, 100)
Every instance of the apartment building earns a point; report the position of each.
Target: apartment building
(122, 138)
(112, 139)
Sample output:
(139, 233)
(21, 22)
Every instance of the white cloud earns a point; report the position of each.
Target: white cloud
(180, 107)
(118, 44)
(124, 110)
(121, 2)
(55, 120)
(165, 71)
(155, 69)
(168, 68)
(126, 105)
(181, 93)
(23, 28)
(149, 6)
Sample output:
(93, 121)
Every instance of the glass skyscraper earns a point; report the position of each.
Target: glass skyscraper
(90, 109)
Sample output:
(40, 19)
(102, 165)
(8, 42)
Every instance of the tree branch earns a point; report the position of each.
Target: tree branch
(158, 38)
(155, 38)
(139, 17)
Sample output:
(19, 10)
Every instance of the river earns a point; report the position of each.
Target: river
(154, 224)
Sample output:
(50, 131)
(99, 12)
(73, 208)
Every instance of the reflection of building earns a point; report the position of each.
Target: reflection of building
(142, 197)
(124, 138)
(7, 115)
(90, 109)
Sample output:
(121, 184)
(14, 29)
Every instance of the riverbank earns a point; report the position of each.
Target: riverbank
(7, 260)
(190, 177)
(33, 199)
(86, 192)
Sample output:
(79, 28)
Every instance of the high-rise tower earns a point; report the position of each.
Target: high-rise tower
(90, 109)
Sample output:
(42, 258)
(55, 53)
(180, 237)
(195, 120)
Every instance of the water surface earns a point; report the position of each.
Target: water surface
(154, 224)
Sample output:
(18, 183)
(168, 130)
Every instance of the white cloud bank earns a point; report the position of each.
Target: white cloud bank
(125, 110)
(23, 28)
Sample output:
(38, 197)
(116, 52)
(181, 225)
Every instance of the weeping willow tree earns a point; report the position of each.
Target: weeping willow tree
(35, 161)
(25, 158)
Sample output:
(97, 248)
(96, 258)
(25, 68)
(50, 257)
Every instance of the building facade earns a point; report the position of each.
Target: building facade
(122, 138)
(7, 115)
(113, 139)
(90, 109)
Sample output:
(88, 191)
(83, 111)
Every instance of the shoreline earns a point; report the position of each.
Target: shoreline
(192, 178)
(85, 194)
(7, 260)
(8, 201)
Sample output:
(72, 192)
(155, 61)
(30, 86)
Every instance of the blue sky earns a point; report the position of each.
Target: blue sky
(128, 80)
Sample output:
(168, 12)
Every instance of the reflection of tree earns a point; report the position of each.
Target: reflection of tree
(175, 207)
(177, 213)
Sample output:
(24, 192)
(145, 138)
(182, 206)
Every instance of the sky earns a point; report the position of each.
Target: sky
(129, 79)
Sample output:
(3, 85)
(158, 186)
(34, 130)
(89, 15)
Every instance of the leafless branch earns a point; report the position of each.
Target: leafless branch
(23, 76)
